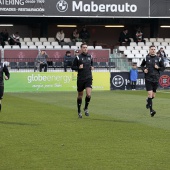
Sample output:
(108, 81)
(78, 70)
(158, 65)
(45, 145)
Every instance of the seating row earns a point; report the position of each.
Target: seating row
(155, 40)
(123, 48)
(149, 43)
(47, 47)
(143, 52)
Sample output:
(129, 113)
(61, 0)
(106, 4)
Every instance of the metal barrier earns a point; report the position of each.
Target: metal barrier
(57, 65)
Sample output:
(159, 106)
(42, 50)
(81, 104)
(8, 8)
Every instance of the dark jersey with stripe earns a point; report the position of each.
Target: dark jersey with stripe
(87, 61)
(149, 63)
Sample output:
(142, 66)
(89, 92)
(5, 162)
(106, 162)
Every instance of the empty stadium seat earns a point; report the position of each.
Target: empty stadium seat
(167, 40)
(138, 47)
(138, 55)
(127, 52)
(160, 40)
(90, 47)
(98, 47)
(46, 43)
(54, 43)
(67, 40)
(133, 44)
(38, 43)
(130, 48)
(164, 43)
(156, 43)
(168, 47)
(141, 44)
(22, 65)
(21, 39)
(15, 47)
(145, 47)
(130, 55)
(29, 43)
(35, 39)
(135, 51)
(40, 47)
(66, 47)
(24, 47)
(74, 47)
(32, 47)
(49, 47)
(57, 47)
(13, 65)
(152, 39)
(22, 43)
(43, 39)
(51, 39)
(146, 39)
(122, 48)
(27, 39)
(7, 47)
(78, 44)
(148, 43)
(144, 52)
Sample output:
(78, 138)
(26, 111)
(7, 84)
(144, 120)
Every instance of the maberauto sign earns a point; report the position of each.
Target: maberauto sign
(97, 8)
(77, 8)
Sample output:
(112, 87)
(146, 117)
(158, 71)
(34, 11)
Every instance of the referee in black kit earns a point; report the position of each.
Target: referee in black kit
(3, 69)
(151, 66)
(83, 64)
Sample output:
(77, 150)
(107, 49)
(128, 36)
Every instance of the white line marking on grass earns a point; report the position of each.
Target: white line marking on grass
(163, 92)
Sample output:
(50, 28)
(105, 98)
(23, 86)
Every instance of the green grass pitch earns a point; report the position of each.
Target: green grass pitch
(41, 131)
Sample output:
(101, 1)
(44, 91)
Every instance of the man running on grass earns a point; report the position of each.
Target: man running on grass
(83, 64)
(151, 66)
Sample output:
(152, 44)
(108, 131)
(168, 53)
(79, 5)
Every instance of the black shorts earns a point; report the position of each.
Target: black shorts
(151, 86)
(83, 84)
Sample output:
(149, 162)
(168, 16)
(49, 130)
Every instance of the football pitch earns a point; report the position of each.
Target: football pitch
(41, 131)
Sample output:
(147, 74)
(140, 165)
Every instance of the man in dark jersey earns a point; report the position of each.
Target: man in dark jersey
(151, 66)
(3, 69)
(83, 64)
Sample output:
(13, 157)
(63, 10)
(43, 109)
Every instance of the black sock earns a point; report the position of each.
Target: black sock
(79, 101)
(87, 101)
(150, 103)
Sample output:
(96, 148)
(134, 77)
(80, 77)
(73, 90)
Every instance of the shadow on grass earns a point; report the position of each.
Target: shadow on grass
(18, 123)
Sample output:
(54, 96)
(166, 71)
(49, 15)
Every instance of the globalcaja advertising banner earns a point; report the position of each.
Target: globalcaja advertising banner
(68, 8)
(120, 81)
(52, 81)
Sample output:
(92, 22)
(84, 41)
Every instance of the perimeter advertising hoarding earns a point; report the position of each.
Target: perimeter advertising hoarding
(120, 81)
(67, 8)
(160, 8)
(52, 81)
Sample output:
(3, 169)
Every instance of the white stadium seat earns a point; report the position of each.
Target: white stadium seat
(152, 39)
(130, 55)
(43, 39)
(35, 39)
(141, 44)
(27, 39)
(133, 44)
(122, 48)
(130, 48)
(51, 39)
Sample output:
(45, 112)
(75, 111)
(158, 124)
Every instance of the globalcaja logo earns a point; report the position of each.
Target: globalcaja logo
(118, 81)
(62, 6)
